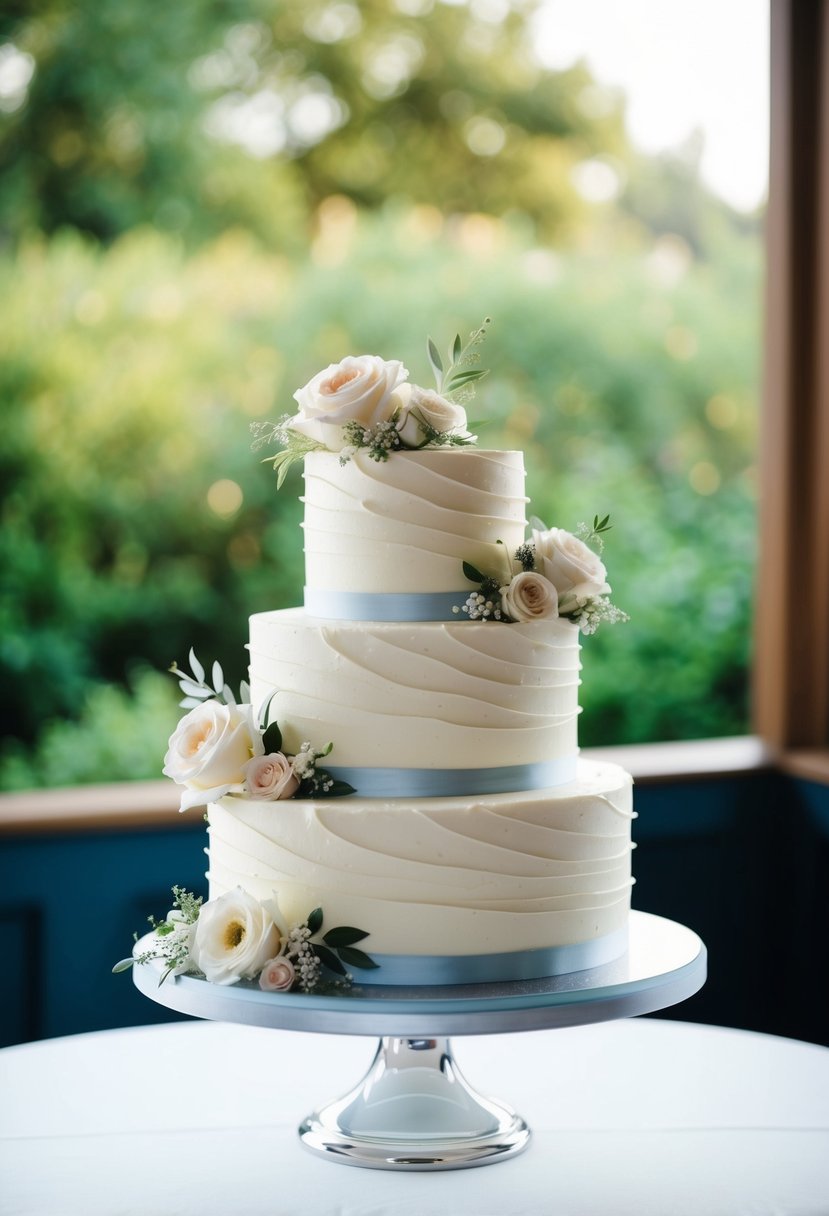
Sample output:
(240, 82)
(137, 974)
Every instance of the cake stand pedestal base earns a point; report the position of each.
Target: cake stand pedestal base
(414, 1111)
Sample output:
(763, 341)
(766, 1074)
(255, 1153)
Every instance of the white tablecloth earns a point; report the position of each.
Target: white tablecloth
(629, 1119)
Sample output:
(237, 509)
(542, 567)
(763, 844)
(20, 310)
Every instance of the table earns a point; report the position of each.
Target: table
(630, 1118)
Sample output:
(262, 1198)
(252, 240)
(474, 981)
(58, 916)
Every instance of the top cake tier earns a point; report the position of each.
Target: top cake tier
(406, 525)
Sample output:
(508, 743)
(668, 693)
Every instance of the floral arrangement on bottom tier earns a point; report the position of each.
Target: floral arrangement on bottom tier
(236, 937)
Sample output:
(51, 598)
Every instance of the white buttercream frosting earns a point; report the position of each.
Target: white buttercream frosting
(422, 695)
(441, 875)
(407, 524)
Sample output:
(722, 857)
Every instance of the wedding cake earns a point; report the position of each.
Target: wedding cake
(398, 793)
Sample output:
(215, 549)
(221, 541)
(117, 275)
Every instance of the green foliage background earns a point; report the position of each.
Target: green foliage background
(160, 289)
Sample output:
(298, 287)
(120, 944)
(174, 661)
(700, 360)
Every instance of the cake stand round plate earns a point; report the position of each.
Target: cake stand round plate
(414, 1110)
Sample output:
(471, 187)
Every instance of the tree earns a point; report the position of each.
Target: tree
(193, 116)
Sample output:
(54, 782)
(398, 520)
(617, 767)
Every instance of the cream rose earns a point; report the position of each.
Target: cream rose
(361, 389)
(270, 777)
(278, 975)
(576, 572)
(209, 750)
(235, 936)
(529, 597)
(423, 409)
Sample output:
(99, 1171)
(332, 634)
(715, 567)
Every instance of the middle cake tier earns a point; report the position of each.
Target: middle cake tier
(424, 706)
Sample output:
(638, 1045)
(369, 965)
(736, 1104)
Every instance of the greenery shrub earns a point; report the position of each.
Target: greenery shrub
(137, 521)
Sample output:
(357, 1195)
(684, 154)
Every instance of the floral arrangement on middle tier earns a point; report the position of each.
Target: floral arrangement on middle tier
(221, 747)
(553, 574)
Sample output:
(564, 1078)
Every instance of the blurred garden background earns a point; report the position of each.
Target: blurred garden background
(203, 205)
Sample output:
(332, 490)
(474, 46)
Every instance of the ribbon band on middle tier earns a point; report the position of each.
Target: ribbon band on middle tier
(456, 782)
(391, 606)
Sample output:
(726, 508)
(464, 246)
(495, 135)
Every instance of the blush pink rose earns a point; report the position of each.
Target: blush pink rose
(278, 975)
(270, 777)
(529, 597)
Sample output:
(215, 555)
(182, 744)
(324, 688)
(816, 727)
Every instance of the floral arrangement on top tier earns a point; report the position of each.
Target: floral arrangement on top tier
(366, 403)
(220, 747)
(554, 573)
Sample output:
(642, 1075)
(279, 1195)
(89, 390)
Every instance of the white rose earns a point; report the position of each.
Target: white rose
(278, 975)
(209, 749)
(270, 777)
(576, 572)
(360, 389)
(529, 597)
(423, 409)
(235, 936)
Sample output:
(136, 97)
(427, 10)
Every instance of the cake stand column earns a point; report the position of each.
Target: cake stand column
(414, 1110)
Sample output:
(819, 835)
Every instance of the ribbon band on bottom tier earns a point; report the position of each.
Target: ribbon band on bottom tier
(456, 782)
(513, 965)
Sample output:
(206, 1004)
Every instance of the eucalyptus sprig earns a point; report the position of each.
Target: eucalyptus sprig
(459, 377)
(594, 535)
(196, 689)
(295, 446)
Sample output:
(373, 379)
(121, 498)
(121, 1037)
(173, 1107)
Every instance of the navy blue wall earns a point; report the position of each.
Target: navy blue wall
(743, 861)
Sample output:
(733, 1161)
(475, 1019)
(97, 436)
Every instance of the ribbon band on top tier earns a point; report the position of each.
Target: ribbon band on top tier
(391, 606)
(456, 782)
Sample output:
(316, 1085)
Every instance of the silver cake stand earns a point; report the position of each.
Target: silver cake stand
(413, 1110)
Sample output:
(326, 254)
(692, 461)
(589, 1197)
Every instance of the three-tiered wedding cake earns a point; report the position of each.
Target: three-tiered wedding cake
(438, 650)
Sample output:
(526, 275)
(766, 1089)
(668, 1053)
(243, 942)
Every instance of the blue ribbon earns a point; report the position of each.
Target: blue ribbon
(417, 969)
(397, 606)
(456, 782)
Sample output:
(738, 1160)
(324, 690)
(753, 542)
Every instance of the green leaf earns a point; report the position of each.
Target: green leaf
(356, 958)
(329, 959)
(457, 348)
(124, 965)
(344, 935)
(272, 739)
(164, 928)
(472, 573)
(435, 361)
(314, 921)
(196, 667)
(465, 377)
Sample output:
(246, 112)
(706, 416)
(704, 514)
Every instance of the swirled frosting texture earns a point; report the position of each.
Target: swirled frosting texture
(424, 695)
(408, 523)
(441, 875)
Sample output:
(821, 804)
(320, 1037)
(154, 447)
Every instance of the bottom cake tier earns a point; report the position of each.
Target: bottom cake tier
(450, 890)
